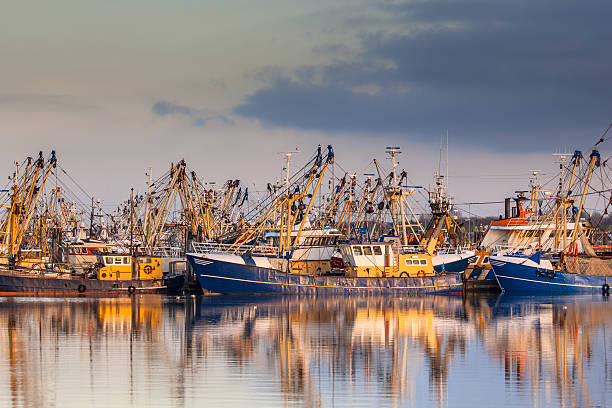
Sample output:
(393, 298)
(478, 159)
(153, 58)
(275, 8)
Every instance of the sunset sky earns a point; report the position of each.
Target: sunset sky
(117, 87)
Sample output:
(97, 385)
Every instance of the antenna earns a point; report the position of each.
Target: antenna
(288, 164)
(393, 151)
(562, 157)
(446, 160)
(440, 158)
(534, 178)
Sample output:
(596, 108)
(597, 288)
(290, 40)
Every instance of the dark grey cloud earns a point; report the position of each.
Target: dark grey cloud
(514, 74)
(222, 119)
(165, 108)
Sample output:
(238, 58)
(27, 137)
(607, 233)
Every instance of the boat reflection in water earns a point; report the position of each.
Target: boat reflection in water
(428, 351)
(556, 351)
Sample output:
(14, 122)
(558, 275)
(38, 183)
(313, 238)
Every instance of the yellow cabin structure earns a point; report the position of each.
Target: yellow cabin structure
(126, 267)
(377, 260)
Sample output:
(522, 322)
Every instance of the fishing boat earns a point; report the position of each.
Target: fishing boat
(117, 274)
(251, 271)
(37, 259)
(571, 266)
(298, 259)
(523, 228)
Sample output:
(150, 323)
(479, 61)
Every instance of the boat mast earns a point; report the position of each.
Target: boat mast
(330, 160)
(567, 200)
(91, 219)
(394, 151)
(132, 221)
(558, 221)
(594, 159)
(285, 241)
(14, 209)
(447, 161)
(146, 211)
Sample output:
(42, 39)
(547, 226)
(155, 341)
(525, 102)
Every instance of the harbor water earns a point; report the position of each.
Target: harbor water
(230, 351)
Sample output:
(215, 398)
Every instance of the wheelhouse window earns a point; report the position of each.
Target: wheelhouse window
(367, 250)
(357, 251)
(408, 262)
(485, 260)
(423, 261)
(377, 250)
(108, 260)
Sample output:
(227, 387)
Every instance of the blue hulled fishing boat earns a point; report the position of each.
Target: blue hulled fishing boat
(282, 253)
(571, 266)
(248, 274)
(535, 275)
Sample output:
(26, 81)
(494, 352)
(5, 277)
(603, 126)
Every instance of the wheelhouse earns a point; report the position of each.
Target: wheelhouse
(378, 259)
(320, 237)
(126, 267)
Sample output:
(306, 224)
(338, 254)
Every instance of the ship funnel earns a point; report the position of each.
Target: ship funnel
(507, 208)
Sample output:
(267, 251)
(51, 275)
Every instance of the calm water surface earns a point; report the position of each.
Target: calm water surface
(254, 351)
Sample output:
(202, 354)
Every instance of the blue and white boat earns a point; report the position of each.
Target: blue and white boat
(455, 261)
(382, 272)
(558, 259)
(535, 275)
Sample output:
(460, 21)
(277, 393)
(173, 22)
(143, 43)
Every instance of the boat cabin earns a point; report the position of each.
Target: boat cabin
(318, 237)
(125, 267)
(379, 260)
(84, 255)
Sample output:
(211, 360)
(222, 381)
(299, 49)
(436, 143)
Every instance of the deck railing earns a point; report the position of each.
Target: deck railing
(443, 250)
(206, 247)
(169, 252)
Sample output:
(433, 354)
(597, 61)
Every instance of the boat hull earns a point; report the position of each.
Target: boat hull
(20, 284)
(457, 264)
(225, 277)
(521, 276)
(481, 279)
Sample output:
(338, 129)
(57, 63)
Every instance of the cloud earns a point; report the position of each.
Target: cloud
(509, 74)
(222, 119)
(165, 108)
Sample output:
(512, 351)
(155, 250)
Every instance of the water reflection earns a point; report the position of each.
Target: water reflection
(556, 350)
(430, 351)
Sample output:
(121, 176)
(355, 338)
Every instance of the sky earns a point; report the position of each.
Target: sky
(117, 87)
